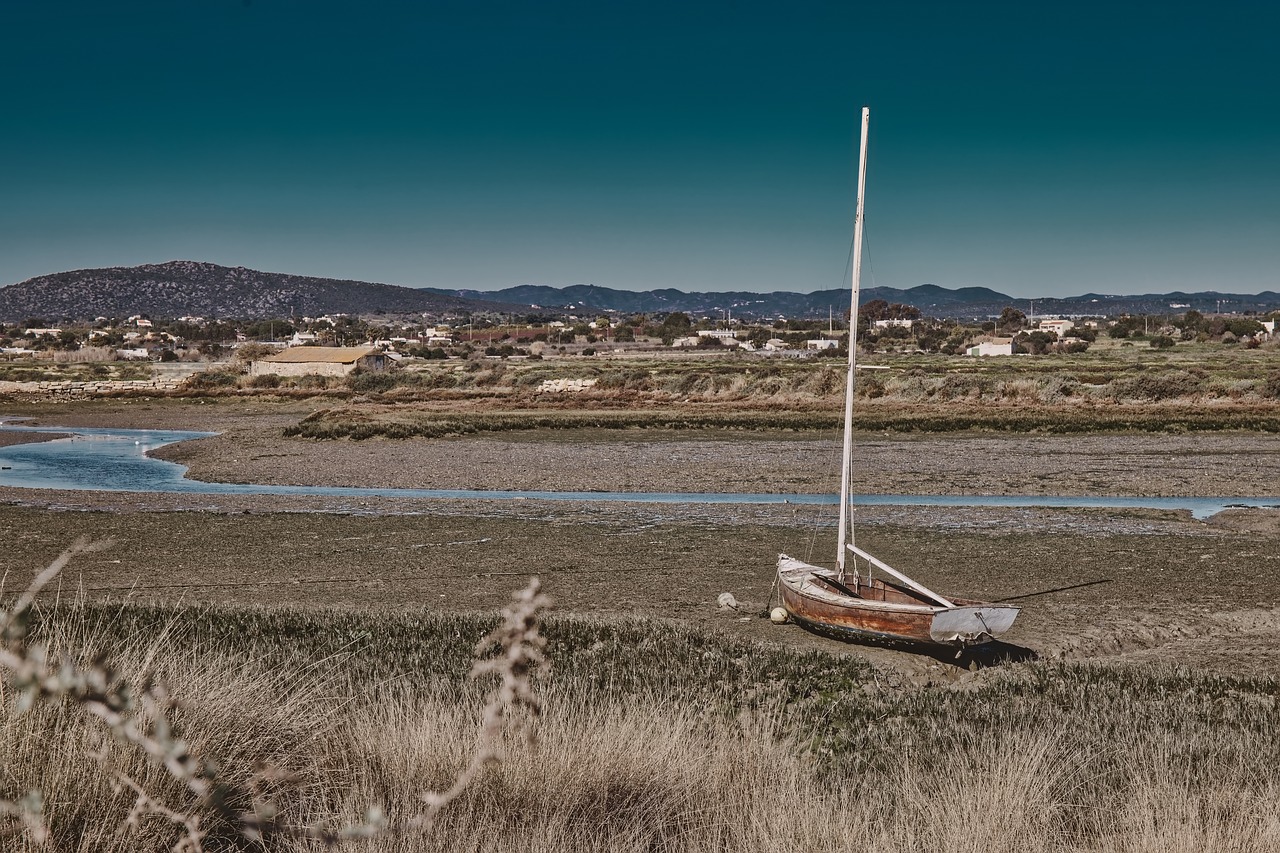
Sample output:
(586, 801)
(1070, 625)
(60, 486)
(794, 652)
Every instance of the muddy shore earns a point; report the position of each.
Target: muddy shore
(1133, 586)
(250, 448)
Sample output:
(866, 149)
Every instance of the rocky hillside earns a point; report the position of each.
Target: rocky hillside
(181, 288)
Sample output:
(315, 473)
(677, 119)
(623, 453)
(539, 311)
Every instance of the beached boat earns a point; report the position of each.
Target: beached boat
(852, 604)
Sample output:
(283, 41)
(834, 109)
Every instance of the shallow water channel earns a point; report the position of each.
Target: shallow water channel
(116, 460)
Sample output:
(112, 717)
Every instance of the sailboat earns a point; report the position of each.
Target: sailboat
(851, 604)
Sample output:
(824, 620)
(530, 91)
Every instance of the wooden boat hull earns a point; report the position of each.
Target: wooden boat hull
(884, 612)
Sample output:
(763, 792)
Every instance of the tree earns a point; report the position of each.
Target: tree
(1011, 319)
(1192, 321)
(676, 325)
(1036, 343)
(875, 309)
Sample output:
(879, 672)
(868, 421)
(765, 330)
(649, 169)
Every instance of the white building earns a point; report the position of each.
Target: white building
(991, 348)
(821, 344)
(1058, 327)
(885, 324)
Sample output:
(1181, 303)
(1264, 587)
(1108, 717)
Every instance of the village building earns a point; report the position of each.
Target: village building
(991, 348)
(321, 361)
(1058, 327)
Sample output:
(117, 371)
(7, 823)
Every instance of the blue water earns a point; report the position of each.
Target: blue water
(115, 460)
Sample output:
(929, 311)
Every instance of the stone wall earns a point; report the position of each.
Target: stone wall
(68, 390)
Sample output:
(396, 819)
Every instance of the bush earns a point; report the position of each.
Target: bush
(1161, 342)
(1159, 386)
(371, 383)
(211, 379)
(1271, 388)
(266, 380)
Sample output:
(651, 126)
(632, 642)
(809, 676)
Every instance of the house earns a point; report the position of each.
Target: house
(718, 334)
(991, 348)
(885, 324)
(321, 361)
(690, 341)
(821, 344)
(1058, 327)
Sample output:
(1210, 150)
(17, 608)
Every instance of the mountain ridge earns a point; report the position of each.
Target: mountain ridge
(182, 288)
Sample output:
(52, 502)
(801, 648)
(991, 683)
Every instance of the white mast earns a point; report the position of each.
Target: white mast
(853, 350)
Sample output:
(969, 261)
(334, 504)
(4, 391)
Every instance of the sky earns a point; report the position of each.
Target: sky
(1040, 149)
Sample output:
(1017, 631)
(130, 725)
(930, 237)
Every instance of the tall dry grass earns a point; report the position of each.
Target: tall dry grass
(652, 737)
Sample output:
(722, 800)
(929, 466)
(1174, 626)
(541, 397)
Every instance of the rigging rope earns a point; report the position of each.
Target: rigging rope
(817, 514)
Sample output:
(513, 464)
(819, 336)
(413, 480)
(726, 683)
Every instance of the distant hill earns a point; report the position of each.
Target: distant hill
(180, 288)
(964, 303)
(585, 297)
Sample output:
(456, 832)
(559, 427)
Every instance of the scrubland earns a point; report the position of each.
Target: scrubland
(653, 737)
(1193, 387)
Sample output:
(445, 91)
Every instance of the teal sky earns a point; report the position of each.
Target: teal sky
(1038, 149)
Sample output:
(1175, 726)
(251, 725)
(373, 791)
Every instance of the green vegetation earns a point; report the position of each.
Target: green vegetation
(652, 737)
(363, 422)
(52, 371)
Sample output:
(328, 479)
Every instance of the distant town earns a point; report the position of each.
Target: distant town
(883, 328)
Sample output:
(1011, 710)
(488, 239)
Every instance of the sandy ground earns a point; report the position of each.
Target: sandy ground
(1132, 586)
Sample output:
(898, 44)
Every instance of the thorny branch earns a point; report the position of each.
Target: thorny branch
(142, 720)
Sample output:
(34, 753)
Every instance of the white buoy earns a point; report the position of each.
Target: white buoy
(778, 616)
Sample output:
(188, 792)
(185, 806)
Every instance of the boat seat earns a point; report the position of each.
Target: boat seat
(834, 584)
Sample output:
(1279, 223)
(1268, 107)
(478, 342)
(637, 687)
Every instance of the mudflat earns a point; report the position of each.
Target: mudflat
(1129, 585)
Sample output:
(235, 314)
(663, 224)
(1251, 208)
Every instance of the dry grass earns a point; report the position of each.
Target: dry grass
(652, 738)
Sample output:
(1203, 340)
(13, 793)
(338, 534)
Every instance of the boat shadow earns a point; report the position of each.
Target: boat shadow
(994, 653)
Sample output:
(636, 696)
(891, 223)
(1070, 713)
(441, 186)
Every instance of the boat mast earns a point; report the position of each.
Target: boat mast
(847, 459)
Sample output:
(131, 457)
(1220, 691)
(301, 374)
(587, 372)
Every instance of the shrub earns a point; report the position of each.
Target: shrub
(211, 379)
(1158, 386)
(370, 383)
(1271, 387)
